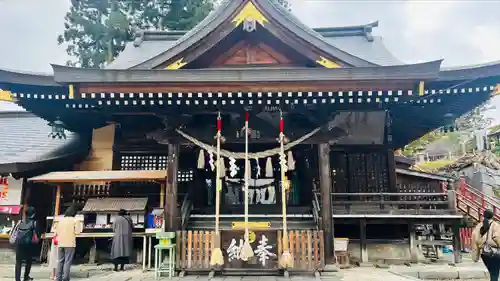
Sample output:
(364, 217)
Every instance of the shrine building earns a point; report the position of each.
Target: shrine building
(147, 124)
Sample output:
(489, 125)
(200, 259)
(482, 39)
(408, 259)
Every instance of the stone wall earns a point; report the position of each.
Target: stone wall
(398, 250)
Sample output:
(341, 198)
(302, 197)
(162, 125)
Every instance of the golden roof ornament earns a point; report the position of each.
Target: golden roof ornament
(177, 64)
(249, 16)
(71, 92)
(421, 88)
(496, 91)
(327, 63)
(6, 96)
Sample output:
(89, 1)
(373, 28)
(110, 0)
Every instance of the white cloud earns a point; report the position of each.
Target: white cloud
(427, 17)
(485, 39)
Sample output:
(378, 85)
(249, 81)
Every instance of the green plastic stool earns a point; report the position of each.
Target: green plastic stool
(165, 245)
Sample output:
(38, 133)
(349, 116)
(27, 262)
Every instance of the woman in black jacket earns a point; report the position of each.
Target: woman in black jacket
(26, 246)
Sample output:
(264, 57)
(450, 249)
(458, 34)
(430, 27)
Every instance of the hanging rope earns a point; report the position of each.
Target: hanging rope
(246, 251)
(286, 259)
(240, 155)
(217, 259)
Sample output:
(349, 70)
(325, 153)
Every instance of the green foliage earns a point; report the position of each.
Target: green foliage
(433, 166)
(494, 129)
(96, 31)
(466, 125)
(419, 145)
(475, 119)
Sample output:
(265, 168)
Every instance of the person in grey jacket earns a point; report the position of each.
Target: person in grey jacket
(121, 247)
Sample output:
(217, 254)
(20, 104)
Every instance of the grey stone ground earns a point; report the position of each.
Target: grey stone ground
(464, 271)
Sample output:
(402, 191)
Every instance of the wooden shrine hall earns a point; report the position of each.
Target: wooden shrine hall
(309, 120)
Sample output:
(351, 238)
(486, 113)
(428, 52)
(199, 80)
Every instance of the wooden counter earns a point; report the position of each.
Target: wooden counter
(146, 246)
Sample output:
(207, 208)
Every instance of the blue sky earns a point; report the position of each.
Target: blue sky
(460, 32)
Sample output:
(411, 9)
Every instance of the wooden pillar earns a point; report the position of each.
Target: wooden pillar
(26, 190)
(452, 197)
(457, 248)
(412, 243)
(362, 241)
(325, 185)
(391, 165)
(58, 200)
(171, 210)
(162, 195)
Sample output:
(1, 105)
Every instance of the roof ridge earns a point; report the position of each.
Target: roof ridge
(353, 30)
(333, 31)
(157, 35)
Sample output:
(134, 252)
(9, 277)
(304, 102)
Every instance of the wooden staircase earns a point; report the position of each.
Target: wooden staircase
(473, 202)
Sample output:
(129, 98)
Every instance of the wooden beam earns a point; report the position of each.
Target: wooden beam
(325, 183)
(58, 200)
(234, 87)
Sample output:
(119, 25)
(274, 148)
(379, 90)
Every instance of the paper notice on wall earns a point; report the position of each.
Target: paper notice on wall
(10, 191)
(340, 244)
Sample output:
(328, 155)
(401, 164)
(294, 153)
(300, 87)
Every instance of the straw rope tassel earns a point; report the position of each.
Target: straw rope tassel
(246, 250)
(201, 160)
(291, 161)
(217, 259)
(286, 259)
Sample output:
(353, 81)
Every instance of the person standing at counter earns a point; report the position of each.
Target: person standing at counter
(66, 230)
(26, 240)
(121, 248)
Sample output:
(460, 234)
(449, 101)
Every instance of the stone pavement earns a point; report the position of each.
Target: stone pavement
(465, 271)
(354, 274)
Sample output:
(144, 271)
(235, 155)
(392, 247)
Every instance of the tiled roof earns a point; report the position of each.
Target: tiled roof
(24, 140)
(373, 51)
(115, 204)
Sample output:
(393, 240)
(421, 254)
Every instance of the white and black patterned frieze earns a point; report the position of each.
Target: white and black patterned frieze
(40, 96)
(244, 99)
(239, 97)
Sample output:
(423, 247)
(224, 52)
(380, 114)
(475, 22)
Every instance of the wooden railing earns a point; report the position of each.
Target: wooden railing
(360, 203)
(474, 202)
(193, 250)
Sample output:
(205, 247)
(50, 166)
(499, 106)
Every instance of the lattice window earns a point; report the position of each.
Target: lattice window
(143, 162)
(185, 176)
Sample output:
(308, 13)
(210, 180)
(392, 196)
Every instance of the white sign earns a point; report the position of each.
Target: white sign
(340, 244)
(263, 250)
(234, 250)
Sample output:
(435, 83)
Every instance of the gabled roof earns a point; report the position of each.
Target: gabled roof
(25, 145)
(272, 11)
(355, 40)
(422, 71)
